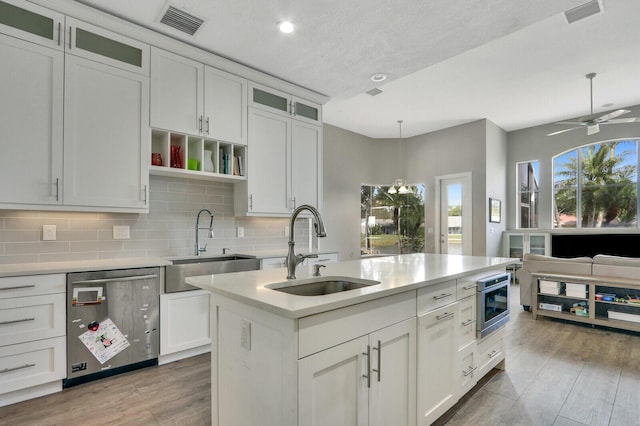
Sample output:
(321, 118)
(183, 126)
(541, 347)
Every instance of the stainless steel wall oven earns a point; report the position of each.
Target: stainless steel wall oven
(493, 303)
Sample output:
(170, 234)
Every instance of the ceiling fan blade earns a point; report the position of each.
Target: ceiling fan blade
(578, 123)
(562, 131)
(623, 120)
(592, 130)
(611, 115)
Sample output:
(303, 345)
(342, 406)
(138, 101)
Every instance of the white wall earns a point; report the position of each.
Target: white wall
(496, 186)
(533, 144)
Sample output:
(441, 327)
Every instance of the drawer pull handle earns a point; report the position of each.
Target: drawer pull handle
(468, 322)
(471, 369)
(379, 349)
(442, 296)
(7, 370)
(443, 316)
(18, 287)
(493, 354)
(115, 280)
(16, 321)
(470, 287)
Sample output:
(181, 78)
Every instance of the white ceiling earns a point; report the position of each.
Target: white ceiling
(517, 63)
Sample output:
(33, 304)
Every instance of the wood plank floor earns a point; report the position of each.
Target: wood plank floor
(557, 374)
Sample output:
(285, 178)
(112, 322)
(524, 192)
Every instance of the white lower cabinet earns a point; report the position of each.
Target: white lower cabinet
(184, 324)
(32, 336)
(437, 362)
(375, 375)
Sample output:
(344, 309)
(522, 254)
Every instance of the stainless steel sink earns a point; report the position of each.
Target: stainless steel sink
(183, 268)
(321, 285)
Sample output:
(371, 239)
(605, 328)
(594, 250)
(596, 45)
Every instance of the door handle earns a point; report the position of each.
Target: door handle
(368, 375)
(379, 349)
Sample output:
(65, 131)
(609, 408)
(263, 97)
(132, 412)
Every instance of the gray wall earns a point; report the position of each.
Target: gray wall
(351, 159)
(533, 144)
(496, 186)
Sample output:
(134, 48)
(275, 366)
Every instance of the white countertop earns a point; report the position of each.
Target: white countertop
(19, 269)
(395, 273)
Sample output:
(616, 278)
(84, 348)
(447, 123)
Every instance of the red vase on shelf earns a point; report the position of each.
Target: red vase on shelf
(156, 159)
(176, 161)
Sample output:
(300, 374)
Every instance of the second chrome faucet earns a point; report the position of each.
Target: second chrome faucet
(198, 228)
(293, 259)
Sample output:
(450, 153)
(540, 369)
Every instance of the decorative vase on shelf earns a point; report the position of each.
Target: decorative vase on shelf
(176, 159)
(207, 162)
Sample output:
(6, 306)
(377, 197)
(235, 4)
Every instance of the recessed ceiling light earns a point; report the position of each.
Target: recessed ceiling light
(378, 77)
(286, 27)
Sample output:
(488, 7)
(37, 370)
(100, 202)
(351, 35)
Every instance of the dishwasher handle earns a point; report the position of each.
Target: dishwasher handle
(113, 280)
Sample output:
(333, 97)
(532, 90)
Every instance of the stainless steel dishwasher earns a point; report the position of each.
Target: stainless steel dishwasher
(183, 268)
(112, 322)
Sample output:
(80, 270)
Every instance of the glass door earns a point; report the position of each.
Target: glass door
(455, 214)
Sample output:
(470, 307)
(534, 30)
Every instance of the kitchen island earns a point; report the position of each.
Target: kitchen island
(399, 352)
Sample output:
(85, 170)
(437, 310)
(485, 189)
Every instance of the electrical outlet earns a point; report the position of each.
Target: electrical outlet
(240, 232)
(48, 232)
(245, 334)
(286, 231)
(121, 232)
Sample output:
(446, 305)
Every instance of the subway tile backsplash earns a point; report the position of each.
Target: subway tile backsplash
(167, 230)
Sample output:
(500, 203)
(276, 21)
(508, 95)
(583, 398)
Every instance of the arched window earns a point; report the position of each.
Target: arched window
(596, 186)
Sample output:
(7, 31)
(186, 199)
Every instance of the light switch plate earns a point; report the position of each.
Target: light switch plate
(240, 232)
(121, 232)
(48, 232)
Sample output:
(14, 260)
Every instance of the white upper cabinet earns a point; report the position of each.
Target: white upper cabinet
(225, 106)
(106, 141)
(190, 97)
(284, 159)
(284, 104)
(31, 108)
(97, 44)
(176, 92)
(31, 22)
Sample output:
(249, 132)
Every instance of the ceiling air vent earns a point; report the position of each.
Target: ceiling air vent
(181, 20)
(585, 10)
(374, 91)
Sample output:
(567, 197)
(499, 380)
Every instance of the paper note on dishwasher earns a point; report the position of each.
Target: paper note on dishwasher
(105, 342)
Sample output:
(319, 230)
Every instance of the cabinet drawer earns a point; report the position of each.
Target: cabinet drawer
(32, 285)
(436, 296)
(31, 364)
(468, 357)
(321, 331)
(466, 287)
(467, 321)
(490, 352)
(23, 319)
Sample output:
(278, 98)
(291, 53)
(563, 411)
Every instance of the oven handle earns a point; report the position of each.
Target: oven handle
(493, 287)
(113, 280)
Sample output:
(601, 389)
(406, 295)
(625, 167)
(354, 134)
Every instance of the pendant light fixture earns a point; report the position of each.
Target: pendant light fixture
(399, 185)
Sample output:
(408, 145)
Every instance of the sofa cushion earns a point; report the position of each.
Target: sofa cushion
(541, 258)
(616, 266)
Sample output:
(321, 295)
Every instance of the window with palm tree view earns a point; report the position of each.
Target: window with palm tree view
(596, 186)
(528, 192)
(391, 223)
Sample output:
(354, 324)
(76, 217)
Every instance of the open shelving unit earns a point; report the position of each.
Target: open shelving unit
(227, 160)
(598, 310)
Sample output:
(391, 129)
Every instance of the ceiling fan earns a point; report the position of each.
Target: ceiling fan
(593, 123)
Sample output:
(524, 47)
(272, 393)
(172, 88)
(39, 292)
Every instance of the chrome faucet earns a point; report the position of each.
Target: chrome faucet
(293, 259)
(210, 229)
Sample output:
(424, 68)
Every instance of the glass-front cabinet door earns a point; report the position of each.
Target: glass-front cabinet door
(538, 243)
(31, 22)
(515, 245)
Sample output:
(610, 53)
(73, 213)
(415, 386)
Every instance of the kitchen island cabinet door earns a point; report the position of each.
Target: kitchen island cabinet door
(31, 109)
(437, 362)
(392, 397)
(106, 134)
(333, 387)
